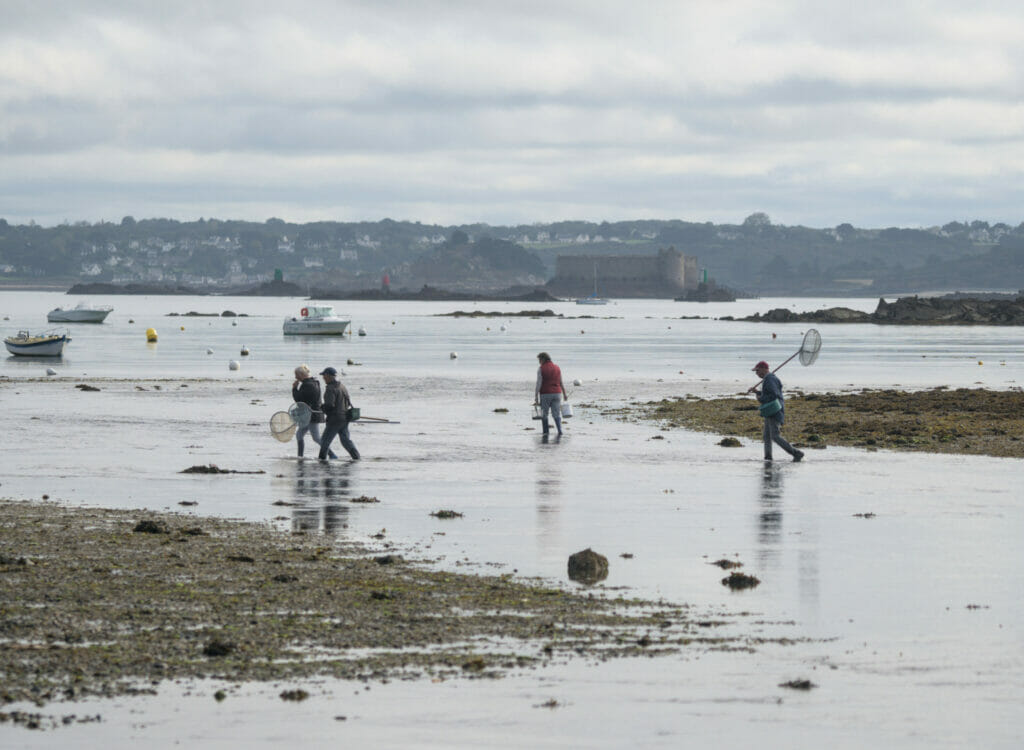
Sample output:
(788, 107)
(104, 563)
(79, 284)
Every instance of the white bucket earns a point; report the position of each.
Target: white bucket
(566, 410)
(537, 413)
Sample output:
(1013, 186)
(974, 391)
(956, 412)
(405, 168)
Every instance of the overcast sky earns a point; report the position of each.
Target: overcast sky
(876, 113)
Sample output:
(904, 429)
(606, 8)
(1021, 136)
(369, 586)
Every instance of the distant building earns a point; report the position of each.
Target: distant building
(666, 274)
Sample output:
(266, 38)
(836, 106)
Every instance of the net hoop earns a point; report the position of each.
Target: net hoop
(810, 347)
(300, 413)
(282, 426)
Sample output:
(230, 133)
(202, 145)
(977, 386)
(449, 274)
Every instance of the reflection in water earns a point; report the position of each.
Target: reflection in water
(549, 499)
(769, 525)
(321, 497)
(770, 542)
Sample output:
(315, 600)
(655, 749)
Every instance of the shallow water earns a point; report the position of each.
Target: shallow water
(913, 615)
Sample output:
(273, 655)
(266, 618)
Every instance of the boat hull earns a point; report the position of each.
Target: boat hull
(49, 347)
(77, 316)
(314, 327)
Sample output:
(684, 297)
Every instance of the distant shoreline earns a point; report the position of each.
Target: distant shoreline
(288, 289)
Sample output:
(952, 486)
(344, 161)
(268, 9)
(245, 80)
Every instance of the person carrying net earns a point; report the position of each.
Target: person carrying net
(306, 390)
(337, 405)
(770, 395)
(773, 411)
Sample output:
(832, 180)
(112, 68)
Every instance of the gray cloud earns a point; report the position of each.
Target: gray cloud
(884, 113)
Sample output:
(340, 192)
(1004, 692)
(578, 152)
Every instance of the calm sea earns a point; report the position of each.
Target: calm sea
(907, 663)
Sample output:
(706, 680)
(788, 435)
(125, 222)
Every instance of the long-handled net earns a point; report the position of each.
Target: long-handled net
(808, 352)
(282, 426)
(301, 413)
(809, 349)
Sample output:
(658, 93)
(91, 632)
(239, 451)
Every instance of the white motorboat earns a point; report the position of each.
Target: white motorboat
(48, 344)
(316, 320)
(83, 312)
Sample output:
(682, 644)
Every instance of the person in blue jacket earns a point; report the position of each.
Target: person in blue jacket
(771, 390)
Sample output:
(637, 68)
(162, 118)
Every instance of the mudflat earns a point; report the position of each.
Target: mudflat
(108, 602)
(965, 420)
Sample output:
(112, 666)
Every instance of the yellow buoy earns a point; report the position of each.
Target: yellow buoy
(150, 334)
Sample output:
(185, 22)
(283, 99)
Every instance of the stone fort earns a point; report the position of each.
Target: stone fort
(663, 275)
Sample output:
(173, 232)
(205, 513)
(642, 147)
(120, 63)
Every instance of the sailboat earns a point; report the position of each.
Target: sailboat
(593, 299)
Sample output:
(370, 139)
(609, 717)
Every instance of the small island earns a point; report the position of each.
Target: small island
(909, 311)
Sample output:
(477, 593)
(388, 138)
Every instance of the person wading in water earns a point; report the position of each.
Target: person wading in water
(773, 411)
(549, 391)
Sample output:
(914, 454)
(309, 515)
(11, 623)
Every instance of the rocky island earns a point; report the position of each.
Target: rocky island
(909, 311)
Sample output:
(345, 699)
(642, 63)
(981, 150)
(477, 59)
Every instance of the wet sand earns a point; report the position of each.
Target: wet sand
(963, 421)
(101, 603)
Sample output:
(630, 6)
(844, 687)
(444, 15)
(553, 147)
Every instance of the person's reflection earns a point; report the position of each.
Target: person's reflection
(320, 497)
(549, 497)
(770, 542)
(769, 526)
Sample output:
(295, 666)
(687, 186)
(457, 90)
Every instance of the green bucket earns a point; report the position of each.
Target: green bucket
(771, 408)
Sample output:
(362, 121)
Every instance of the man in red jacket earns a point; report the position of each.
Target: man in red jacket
(549, 391)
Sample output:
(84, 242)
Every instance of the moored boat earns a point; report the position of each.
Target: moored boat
(48, 344)
(83, 312)
(593, 299)
(316, 320)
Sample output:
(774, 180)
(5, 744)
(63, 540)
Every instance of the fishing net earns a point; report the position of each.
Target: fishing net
(301, 413)
(282, 426)
(810, 348)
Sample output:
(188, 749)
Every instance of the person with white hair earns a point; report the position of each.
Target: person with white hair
(306, 390)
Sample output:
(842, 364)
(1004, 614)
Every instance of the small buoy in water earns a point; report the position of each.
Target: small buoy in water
(151, 334)
(582, 331)
(577, 382)
(131, 320)
(183, 328)
(362, 331)
(453, 355)
(209, 351)
(50, 371)
(503, 327)
(980, 362)
(392, 322)
(233, 365)
(245, 351)
(234, 323)
(773, 335)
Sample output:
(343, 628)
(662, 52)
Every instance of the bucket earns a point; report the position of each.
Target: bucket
(772, 407)
(566, 410)
(537, 413)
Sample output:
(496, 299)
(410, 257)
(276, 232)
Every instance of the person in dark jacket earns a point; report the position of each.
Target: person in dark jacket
(336, 406)
(306, 390)
(771, 390)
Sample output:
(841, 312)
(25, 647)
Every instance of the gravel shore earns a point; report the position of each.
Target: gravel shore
(963, 421)
(110, 602)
